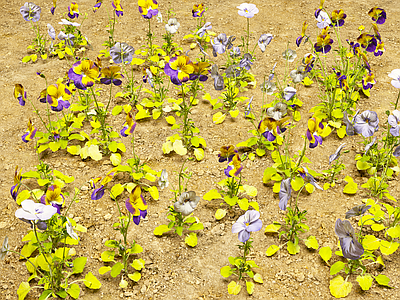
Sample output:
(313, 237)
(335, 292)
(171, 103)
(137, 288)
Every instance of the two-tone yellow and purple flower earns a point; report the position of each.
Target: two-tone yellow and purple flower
(17, 183)
(73, 11)
(271, 128)
(226, 153)
(119, 11)
(20, 94)
(58, 96)
(234, 166)
(111, 75)
(324, 42)
(148, 76)
(84, 74)
(29, 133)
(368, 42)
(303, 172)
(200, 71)
(315, 128)
(378, 15)
(136, 205)
(53, 7)
(148, 8)
(53, 197)
(97, 5)
(342, 80)
(308, 62)
(338, 17)
(179, 69)
(368, 81)
(129, 126)
(303, 34)
(198, 10)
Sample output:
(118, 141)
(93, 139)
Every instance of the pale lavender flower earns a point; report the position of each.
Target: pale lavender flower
(349, 123)
(202, 30)
(284, 193)
(66, 22)
(187, 203)
(336, 155)
(289, 92)
(247, 10)
(366, 123)
(323, 19)
(298, 74)
(395, 74)
(219, 44)
(268, 87)
(235, 52)
(368, 146)
(246, 61)
(396, 151)
(394, 121)
(357, 211)
(30, 12)
(351, 248)
(68, 38)
(264, 41)
(247, 110)
(51, 31)
(122, 52)
(34, 211)
(249, 222)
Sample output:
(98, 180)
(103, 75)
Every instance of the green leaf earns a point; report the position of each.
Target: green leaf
(23, 195)
(311, 242)
(136, 249)
(92, 282)
(196, 226)
(337, 267)
(116, 269)
(339, 287)
(250, 190)
(170, 120)
(218, 118)
(388, 248)
(154, 192)
(142, 113)
(365, 282)
(179, 148)
(268, 173)
(27, 250)
(108, 256)
(115, 159)
(45, 294)
(351, 187)
(249, 287)
(370, 242)
(23, 290)
(135, 276)
(383, 280)
(211, 195)
(273, 228)
(220, 213)
(78, 265)
(293, 248)
(234, 113)
(297, 183)
(138, 264)
(394, 232)
(160, 230)
(191, 239)
(104, 270)
(272, 250)
(363, 165)
(226, 271)
(74, 291)
(243, 203)
(199, 153)
(116, 110)
(116, 190)
(234, 288)
(258, 278)
(325, 253)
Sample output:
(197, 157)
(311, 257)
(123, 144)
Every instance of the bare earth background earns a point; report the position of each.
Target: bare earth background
(173, 270)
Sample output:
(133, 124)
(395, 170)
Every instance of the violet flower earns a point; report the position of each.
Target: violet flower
(395, 74)
(264, 41)
(34, 211)
(219, 44)
(368, 146)
(122, 52)
(202, 30)
(246, 61)
(98, 193)
(323, 19)
(336, 155)
(30, 12)
(351, 248)
(349, 123)
(285, 193)
(289, 92)
(394, 121)
(366, 123)
(357, 211)
(249, 222)
(247, 10)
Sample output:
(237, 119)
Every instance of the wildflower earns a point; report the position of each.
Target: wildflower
(271, 128)
(233, 71)
(298, 75)
(20, 94)
(338, 17)
(380, 48)
(129, 126)
(148, 8)
(264, 41)
(355, 47)
(70, 230)
(303, 172)
(394, 121)
(395, 74)
(187, 203)
(68, 38)
(247, 110)
(163, 181)
(17, 183)
(289, 55)
(58, 96)
(97, 5)
(289, 92)
(366, 123)
(268, 87)
(235, 52)
(247, 10)
(98, 193)
(285, 193)
(136, 205)
(246, 61)
(119, 11)
(53, 197)
(29, 133)
(218, 79)
(308, 62)
(336, 155)
(179, 69)
(73, 11)
(54, 7)
(148, 75)
(69, 23)
(368, 81)
(351, 248)
(30, 12)
(369, 145)
(200, 70)
(303, 33)
(110, 75)
(234, 166)
(368, 42)
(122, 52)
(324, 42)
(249, 222)
(159, 17)
(226, 153)
(202, 30)
(33, 211)
(51, 31)
(219, 44)
(198, 10)
(396, 152)
(378, 15)
(315, 128)
(4, 248)
(323, 19)
(357, 211)
(172, 25)
(84, 73)
(376, 32)
(278, 111)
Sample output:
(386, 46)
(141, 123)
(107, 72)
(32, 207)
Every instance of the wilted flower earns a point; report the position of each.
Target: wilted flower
(394, 121)
(303, 172)
(324, 42)
(246, 61)
(33, 211)
(200, 71)
(349, 123)
(268, 87)
(29, 133)
(172, 25)
(73, 11)
(159, 17)
(84, 73)
(285, 193)
(51, 31)
(20, 94)
(336, 155)
(198, 10)
(53, 197)
(129, 126)
(233, 71)
(202, 30)
(278, 111)
(247, 10)
(119, 11)
(187, 203)
(69, 23)
(235, 52)
(323, 19)
(369, 145)
(30, 12)
(351, 248)
(249, 222)
(136, 205)
(219, 83)
(298, 75)
(264, 41)
(396, 152)
(68, 38)
(97, 5)
(110, 75)
(315, 128)
(357, 211)
(179, 69)
(308, 62)
(271, 128)
(395, 74)
(122, 52)
(338, 17)
(148, 8)
(58, 96)
(247, 110)
(378, 15)
(4, 248)
(366, 123)
(163, 181)
(234, 166)
(70, 230)
(148, 75)
(98, 193)
(289, 92)
(303, 33)
(289, 55)
(226, 153)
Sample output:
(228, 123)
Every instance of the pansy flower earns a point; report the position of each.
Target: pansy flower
(323, 19)
(51, 31)
(84, 73)
(198, 10)
(200, 71)
(369, 145)
(226, 153)
(395, 74)
(69, 23)
(73, 11)
(58, 96)
(271, 128)
(349, 123)
(303, 33)
(268, 87)
(394, 121)
(172, 26)
(122, 52)
(136, 205)
(324, 42)
(285, 193)
(129, 126)
(234, 166)
(376, 32)
(110, 75)
(338, 17)
(366, 123)
(249, 222)
(97, 5)
(187, 203)
(264, 41)
(179, 69)
(29, 133)
(246, 62)
(119, 11)
(303, 172)
(17, 183)
(52, 10)
(368, 81)
(378, 15)
(298, 74)
(357, 211)
(247, 110)
(20, 94)
(380, 48)
(396, 152)
(148, 76)
(288, 93)
(247, 10)
(33, 211)
(289, 55)
(277, 111)
(336, 155)
(67, 38)
(203, 30)
(219, 44)
(53, 197)
(342, 79)
(30, 12)
(355, 47)
(368, 42)
(148, 8)
(351, 247)
(308, 62)
(315, 128)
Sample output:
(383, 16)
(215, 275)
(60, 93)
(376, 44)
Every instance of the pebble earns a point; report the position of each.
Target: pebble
(300, 277)
(3, 225)
(107, 216)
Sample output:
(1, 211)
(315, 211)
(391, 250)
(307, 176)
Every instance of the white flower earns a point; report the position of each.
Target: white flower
(51, 31)
(172, 25)
(323, 19)
(264, 41)
(71, 231)
(163, 181)
(159, 17)
(395, 74)
(34, 211)
(289, 55)
(247, 10)
(187, 203)
(66, 22)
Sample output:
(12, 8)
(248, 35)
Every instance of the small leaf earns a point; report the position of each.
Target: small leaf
(325, 253)
(234, 288)
(116, 269)
(154, 192)
(170, 120)
(272, 250)
(74, 290)
(311, 242)
(260, 152)
(115, 159)
(226, 271)
(292, 248)
(220, 213)
(249, 287)
(138, 264)
(104, 270)
(387, 247)
(212, 194)
(116, 110)
(218, 118)
(23, 290)
(337, 267)
(383, 280)
(160, 230)
(179, 148)
(191, 239)
(79, 264)
(273, 228)
(91, 281)
(351, 187)
(107, 256)
(234, 113)
(365, 282)
(250, 190)
(258, 278)
(339, 287)
(135, 276)
(199, 153)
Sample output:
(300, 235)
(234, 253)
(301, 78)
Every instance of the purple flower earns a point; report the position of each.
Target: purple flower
(84, 74)
(366, 123)
(396, 152)
(249, 222)
(303, 172)
(68, 38)
(136, 205)
(378, 15)
(338, 17)
(73, 11)
(35, 211)
(368, 146)
(357, 211)
(30, 12)
(323, 19)
(226, 153)
(235, 52)
(247, 10)
(246, 61)
(219, 44)
(20, 94)
(351, 248)
(122, 52)
(51, 31)
(336, 155)
(98, 193)
(394, 121)
(284, 193)
(289, 92)
(395, 74)
(148, 8)
(264, 41)
(97, 5)
(349, 123)
(202, 30)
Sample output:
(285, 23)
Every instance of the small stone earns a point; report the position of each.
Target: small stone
(3, 225)
(300, 277)
(143, 289)
(107, 216)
